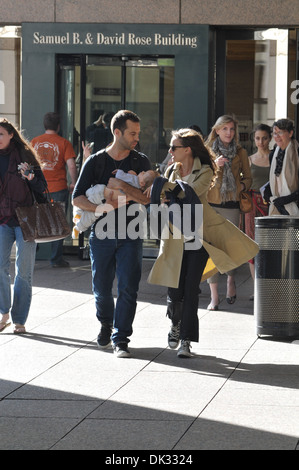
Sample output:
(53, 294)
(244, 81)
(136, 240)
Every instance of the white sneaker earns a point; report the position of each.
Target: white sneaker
(184, 350)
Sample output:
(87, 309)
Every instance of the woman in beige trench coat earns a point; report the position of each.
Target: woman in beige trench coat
(181, 269)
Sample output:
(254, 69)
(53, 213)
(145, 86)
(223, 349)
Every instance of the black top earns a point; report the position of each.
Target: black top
(88, 174)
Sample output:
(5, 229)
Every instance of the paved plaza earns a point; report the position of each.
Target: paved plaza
(60, 392)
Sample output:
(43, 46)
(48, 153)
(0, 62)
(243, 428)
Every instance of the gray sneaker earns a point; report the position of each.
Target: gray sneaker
(184, 350)
(174, 336)
(121, 350)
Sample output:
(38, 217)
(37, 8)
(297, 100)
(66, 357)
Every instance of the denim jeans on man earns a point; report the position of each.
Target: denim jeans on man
(24, 266)
(122, 257)
(57, 247)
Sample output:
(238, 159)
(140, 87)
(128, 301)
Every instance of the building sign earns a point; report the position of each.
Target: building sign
(113, 38)
(107, 91)
(185, 45)
(118, 39)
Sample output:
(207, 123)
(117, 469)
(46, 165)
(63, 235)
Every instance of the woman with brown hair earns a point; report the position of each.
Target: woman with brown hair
(260, 167)
(20, 174)
(182, 264)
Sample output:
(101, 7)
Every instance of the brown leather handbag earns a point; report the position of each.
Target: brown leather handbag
(45, 222)
(245, 202)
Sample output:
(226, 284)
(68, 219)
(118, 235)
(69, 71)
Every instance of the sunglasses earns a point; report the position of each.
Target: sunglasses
(174, 147)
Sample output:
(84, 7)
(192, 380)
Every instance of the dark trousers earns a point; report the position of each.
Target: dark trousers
(193, 265)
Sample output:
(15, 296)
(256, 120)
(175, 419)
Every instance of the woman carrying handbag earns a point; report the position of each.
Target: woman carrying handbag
(233, 177)
(20, 173)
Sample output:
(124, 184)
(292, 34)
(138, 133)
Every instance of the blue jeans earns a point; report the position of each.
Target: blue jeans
(22, 289)
(57, 247)
(123, 258)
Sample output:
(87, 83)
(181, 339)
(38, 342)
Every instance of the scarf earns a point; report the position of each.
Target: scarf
(285, 181)
(228, 179)
(279, 161)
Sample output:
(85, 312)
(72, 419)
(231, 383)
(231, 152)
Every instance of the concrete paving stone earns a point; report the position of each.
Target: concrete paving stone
(227, 320)
(95, 360)
(143, 338)
(235, 340)
(276, 345)
(7, 387)
(93, 434)
(7, 336)
(69, 328)
(148, 311)
(48, 408)
(288, 355)
(278, 420)
(52, 306)
(207, 434)
(30, 365)
(146, 318)
(113, 410)
(168, 387)
(77, 378)
(259, 396)
(275, 375)
(215, 363)
(33, 433)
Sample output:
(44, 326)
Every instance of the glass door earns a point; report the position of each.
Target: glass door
(259, 70)
(143, 85)
(92, 88)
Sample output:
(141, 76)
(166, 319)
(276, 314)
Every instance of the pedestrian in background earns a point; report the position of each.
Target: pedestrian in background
(260, 167)
(232, 176)
(284, 187)
(57, 156)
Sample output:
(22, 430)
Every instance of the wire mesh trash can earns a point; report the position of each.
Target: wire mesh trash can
(276, 289)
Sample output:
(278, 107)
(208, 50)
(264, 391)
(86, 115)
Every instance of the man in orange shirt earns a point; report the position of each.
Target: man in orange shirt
(56, 155)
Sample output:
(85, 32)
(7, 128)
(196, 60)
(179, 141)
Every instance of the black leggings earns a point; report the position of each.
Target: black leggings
(193, 265)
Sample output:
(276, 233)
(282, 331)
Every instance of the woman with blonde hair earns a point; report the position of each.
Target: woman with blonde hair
(233, 176)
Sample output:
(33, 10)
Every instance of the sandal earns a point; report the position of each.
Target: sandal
(4, 324)
(212, 308)
(19, 329)
(230, 299)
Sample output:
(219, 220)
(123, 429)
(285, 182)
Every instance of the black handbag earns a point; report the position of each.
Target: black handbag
(43, 222)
